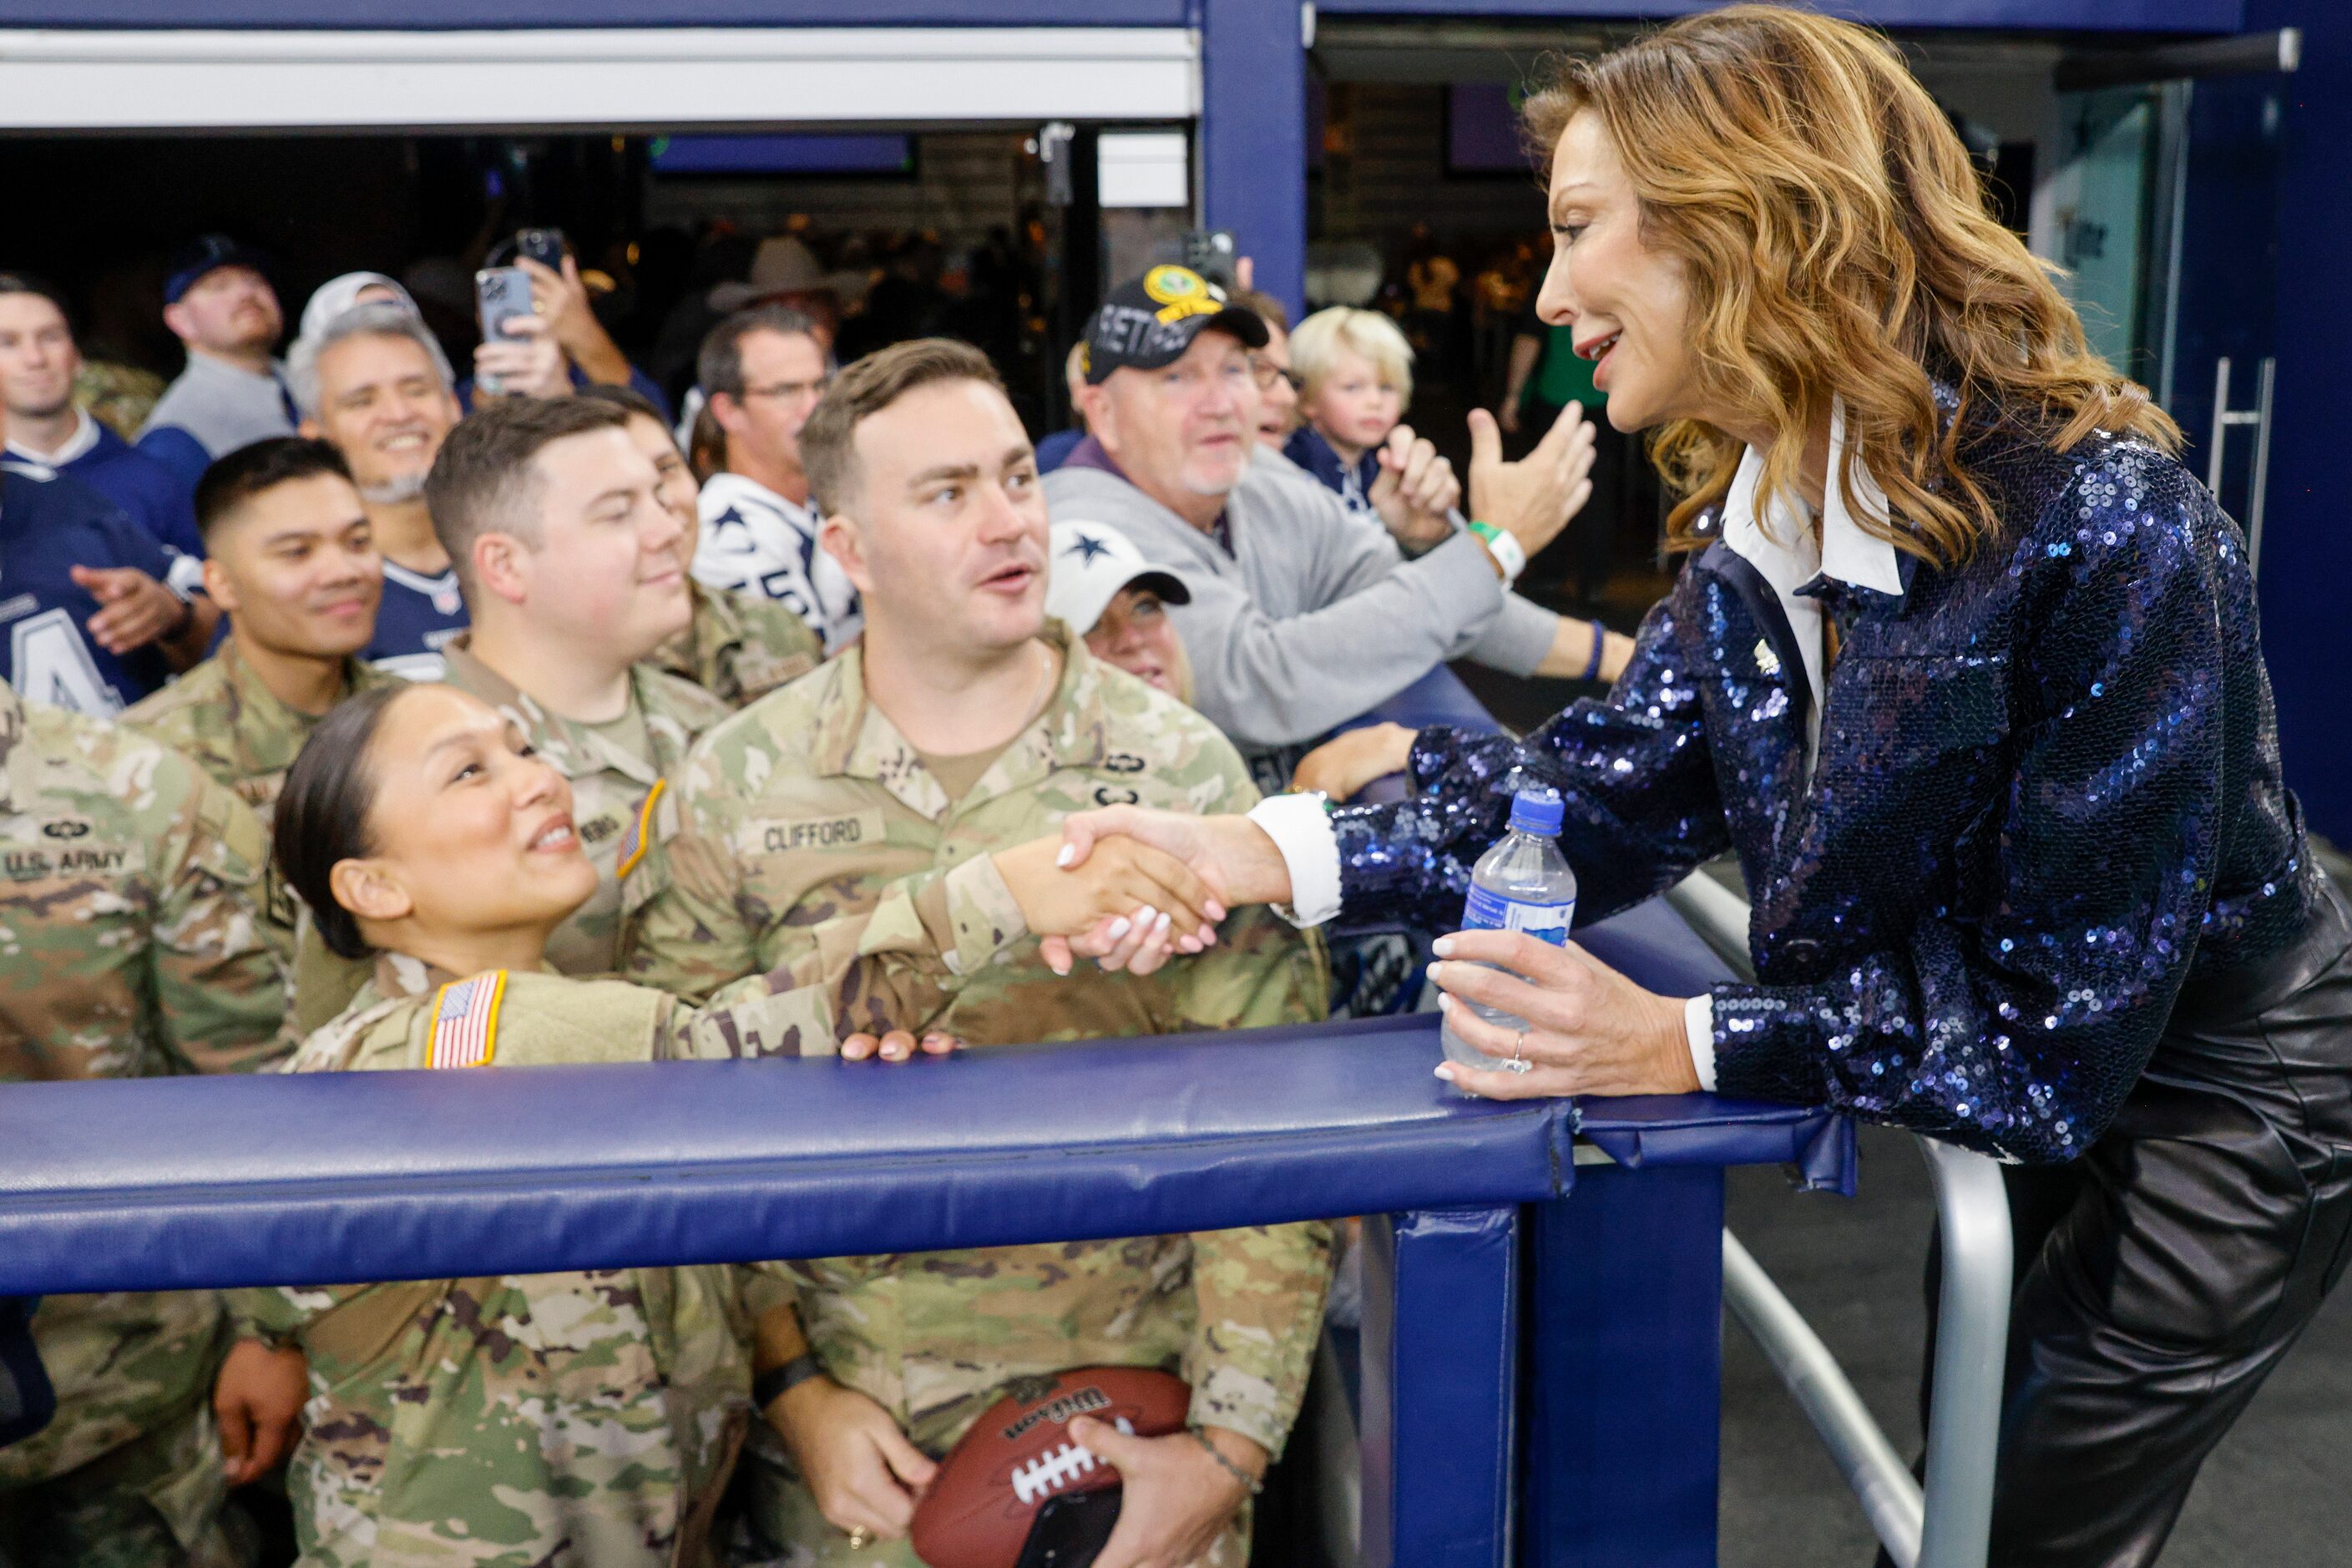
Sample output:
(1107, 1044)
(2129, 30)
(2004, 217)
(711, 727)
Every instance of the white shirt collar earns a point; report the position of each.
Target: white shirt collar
(1785, 552)
(84, 437)
(1783, 547)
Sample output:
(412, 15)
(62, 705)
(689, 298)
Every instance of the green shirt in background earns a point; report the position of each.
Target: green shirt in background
(1562, 377)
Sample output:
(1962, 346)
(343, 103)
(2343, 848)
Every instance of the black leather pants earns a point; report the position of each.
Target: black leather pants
(2165, 1273)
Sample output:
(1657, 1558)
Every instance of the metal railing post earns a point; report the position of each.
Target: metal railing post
(1880, 1481)
(1971, 1352)
(1948, 1523)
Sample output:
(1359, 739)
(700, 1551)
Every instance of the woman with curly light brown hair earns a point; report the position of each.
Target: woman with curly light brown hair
(1966, 670)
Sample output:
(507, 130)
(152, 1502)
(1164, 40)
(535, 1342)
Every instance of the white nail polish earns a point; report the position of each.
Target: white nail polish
(1118, 928)
(1069, 852)
(1443, 947)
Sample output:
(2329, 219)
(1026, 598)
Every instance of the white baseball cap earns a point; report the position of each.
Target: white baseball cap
(1091, 561)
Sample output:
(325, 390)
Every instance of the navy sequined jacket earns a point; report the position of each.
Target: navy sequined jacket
(2047, 801)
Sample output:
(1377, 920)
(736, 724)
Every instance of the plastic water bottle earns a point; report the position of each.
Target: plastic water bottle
(1523, 884)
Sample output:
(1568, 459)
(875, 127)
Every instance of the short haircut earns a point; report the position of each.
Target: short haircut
(322, 811)
(1273, 311)
(482, 481)
(1315, 346)
(239, 475)
(627, 399)
(40, 288)
(828, 441)
(719, 366)
(375, 319)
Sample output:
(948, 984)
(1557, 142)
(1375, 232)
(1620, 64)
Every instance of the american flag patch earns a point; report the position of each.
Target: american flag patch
(465, 1021)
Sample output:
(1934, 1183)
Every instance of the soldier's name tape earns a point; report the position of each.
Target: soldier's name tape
(771, 836)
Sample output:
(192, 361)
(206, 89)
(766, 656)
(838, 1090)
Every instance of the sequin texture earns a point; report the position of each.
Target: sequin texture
(2047, 802)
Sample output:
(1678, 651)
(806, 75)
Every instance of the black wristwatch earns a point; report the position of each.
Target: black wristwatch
(777, 1380)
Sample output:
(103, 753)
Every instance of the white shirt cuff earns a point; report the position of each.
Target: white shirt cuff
(185, 575)
(1698, 1023)
(1301, 830)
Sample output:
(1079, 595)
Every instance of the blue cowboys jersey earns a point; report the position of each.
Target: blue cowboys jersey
(49, 524)
(419, 613)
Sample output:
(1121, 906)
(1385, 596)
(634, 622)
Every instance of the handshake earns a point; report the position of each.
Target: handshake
(1130, 887)
(1125, 886)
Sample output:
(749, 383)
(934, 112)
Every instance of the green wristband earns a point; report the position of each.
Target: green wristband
(1509, 553)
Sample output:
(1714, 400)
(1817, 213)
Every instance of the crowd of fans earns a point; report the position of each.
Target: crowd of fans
(518, 699)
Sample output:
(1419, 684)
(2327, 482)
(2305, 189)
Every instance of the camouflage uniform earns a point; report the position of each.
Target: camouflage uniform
(809, 809)
(118, 397)
(741, 646)
(587, 1417)
(131, 946)
(617, 799)
(222, 716)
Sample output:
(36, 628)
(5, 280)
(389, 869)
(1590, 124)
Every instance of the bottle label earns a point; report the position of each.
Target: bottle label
(1492, 911)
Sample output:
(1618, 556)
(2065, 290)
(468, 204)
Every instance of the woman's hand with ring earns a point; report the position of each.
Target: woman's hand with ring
(1589, 1029)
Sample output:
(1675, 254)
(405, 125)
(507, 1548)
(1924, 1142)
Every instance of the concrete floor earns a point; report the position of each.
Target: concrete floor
(2269, 1495)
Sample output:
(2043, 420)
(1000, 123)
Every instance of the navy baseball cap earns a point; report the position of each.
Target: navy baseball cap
(1150, 322)
(210, 253)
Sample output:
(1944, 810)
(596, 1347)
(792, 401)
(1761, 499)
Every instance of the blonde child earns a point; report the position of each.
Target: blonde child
(1354, 371)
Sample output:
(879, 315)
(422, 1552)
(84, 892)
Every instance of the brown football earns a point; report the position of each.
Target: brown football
(1019, 1455)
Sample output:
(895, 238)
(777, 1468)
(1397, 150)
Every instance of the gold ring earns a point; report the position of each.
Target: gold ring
(858, 1537)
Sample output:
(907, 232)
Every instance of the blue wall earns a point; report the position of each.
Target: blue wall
(2091, 15)
(1253, 120)
(2307, 544)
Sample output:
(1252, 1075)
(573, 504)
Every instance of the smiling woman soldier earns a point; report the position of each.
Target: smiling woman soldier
(491, 1420)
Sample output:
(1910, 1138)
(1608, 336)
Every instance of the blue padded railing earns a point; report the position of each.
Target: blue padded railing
(316, 1179)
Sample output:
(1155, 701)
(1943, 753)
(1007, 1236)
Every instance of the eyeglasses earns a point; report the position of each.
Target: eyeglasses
(1267, 372)
(789, 390)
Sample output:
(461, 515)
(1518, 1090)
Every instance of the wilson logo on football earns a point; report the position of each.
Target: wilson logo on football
(1046, 1474)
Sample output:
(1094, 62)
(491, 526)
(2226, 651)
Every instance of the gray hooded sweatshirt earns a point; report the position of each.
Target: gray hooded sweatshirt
(1313, 618)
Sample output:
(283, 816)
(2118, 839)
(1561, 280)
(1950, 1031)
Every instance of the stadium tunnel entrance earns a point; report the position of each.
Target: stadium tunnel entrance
(2135, 164)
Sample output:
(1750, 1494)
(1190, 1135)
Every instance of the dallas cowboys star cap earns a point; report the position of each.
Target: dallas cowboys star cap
(1090, 564)
(1150, 322)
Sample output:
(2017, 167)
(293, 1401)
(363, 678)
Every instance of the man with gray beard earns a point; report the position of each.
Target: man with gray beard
(376, 385)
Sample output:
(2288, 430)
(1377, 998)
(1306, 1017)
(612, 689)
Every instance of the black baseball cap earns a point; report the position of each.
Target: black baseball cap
(1150, 322)
(210, 253)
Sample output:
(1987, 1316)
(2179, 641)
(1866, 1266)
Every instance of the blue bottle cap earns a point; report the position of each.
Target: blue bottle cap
(1536, 811)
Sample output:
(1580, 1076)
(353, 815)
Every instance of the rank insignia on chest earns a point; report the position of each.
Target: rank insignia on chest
(641, 830)
(465, 1021)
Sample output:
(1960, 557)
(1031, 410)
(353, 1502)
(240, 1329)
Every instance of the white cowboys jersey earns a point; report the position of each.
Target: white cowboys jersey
(756, 541)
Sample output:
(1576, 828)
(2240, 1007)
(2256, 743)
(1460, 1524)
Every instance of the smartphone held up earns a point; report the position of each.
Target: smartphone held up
(501, 294)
